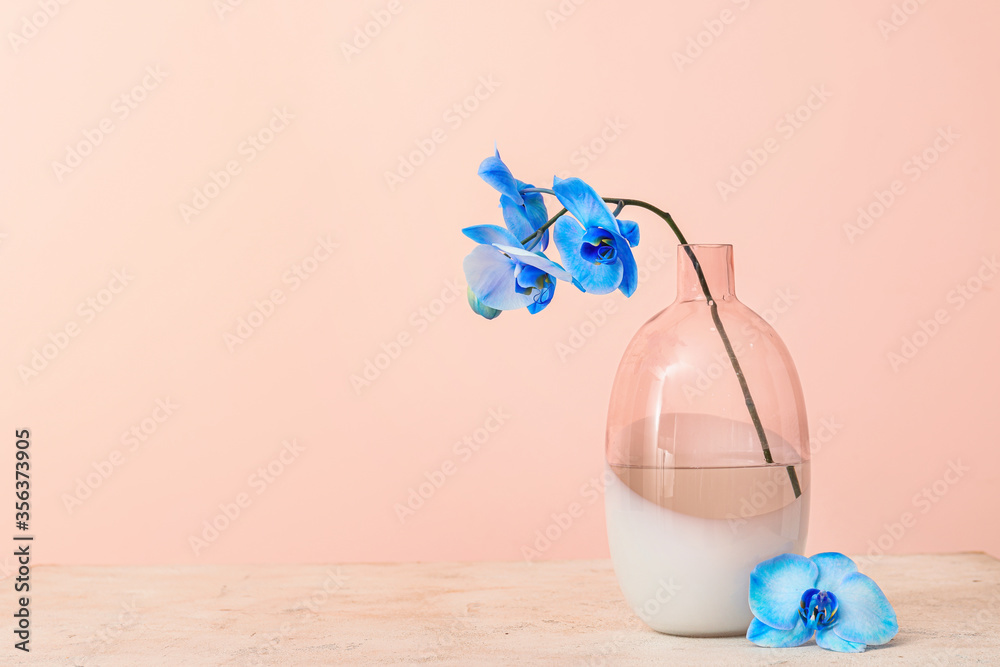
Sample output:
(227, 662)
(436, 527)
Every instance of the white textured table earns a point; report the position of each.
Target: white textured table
(560, 613)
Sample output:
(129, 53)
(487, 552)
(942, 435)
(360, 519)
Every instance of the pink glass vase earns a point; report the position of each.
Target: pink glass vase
(708, 468)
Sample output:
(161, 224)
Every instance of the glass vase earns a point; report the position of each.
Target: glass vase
(707, 455)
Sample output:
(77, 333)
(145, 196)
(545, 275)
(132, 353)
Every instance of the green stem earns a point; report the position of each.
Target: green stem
(714, 308)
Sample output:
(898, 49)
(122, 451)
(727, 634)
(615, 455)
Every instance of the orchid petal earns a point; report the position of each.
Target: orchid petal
(490, 275)
(629, 231)
(498, 176)
(535, 211)
(630, 271)
(594, 278)
(828, 639)
(529, 277)
(762, 634)
(594, 235)
(479, 307)
(539, 306)
(584, 203)
(491, 234)
(517, 222)
(538, 261)
(865, 614)
(776, 588)
(833, 567)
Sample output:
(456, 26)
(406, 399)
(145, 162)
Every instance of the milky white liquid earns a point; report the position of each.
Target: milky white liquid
(683, 541)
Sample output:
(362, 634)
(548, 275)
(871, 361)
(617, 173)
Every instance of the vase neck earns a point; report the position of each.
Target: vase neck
(716, 262)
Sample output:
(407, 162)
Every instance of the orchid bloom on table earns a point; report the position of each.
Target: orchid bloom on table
(794, 598)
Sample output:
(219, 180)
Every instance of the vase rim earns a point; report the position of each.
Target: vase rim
(705, 245)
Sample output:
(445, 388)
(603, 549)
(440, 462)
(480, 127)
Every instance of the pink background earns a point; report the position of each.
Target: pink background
(601, 94)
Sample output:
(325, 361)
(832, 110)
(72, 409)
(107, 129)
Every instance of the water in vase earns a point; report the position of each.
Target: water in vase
(684, 540)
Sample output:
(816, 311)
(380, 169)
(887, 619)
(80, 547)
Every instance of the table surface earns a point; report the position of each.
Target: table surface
(555, 613)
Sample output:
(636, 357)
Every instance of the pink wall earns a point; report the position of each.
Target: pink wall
(382, 264)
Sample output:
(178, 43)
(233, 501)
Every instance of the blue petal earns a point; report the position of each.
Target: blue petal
(517, 222)
(630, 272)
(495, 172)
(539, 306)
(776, 588)
(490, 275)
(479, 307)
(594, 235)
(538, 261)
(865, 614)
(585, 204)
(529, 276)
(629, 231)
(534, 206)
(593, 278)
(762, 634)
(491, 234)
(833, 567)
(603, 254)
(827, 638)
(599, 246)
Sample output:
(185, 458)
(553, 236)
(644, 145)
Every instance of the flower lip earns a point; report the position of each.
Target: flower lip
(603, 252)
(818, 608)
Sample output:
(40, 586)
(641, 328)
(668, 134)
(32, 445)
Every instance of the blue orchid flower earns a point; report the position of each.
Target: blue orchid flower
(503, 275)
(793, 598)
(596, 246)
(523, 212)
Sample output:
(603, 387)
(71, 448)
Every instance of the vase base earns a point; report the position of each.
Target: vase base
(705, 635)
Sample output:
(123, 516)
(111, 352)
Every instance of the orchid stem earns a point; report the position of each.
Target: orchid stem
(713, 306)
